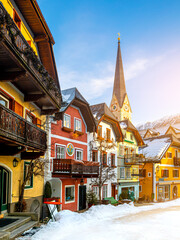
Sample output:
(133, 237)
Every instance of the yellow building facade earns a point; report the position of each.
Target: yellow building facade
(28, 93)
(160, 179)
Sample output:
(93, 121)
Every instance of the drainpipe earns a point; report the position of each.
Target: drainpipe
(154, 181)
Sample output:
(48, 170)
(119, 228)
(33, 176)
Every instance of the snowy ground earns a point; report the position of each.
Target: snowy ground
(159, 221)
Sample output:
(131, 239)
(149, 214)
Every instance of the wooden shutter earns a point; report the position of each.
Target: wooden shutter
(18, 108)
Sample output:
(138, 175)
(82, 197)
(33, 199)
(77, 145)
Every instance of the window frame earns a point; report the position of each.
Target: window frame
(69, 186)
(99, 128)
(169, 153)
(79, 150)
(177, 171)
(104, 163)
(63, 122)
(164, 173)
(76, 120)
(31, 180)
(61, 146)
(95, 151)
(96, 192)
(113, 158)
(120, 172)
(128, 171)
(105, 186)
(108, 134)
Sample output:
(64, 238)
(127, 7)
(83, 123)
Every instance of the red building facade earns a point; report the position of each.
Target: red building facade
(69, 146)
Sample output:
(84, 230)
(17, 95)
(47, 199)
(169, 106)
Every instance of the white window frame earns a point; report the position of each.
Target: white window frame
(95, 190)
(63, 146)
(128, 170)
(106, 191)
(67, 186)
(5, 99)
(120, 173)
(79, 150)
(77, 120)
(66, 115)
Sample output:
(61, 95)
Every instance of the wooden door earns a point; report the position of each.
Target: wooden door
(113, 191)
(82, 197)
(4, 182)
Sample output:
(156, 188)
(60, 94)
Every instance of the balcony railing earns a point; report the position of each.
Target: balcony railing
(13, 36)
(176, 161)
(17, 129)
(75, 168)
(133, 159)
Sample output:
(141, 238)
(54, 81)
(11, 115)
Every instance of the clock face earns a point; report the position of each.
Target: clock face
(114, 107)
(126, 108)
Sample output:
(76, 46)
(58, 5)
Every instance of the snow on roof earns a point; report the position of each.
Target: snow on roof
(123, 125)
(156, 147)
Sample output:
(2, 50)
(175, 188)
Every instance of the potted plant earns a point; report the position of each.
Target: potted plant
(91, 198)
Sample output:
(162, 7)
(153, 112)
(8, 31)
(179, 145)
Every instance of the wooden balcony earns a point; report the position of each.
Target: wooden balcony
(22, 67)
(176, 161)
(75, 168)
(15, 132)
(132, 159)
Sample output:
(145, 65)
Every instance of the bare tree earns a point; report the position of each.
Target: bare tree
(106, 170)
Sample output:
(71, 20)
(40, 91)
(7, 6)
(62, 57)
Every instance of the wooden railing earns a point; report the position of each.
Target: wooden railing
(132, 159)
(176, 161)
(16, 128)
(11, 33)
(69, 167)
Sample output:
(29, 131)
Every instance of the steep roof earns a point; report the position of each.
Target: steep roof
(73, 97)
(102, 112)
(156, 147)
(127, 124)
(101, 109)
(119, 89)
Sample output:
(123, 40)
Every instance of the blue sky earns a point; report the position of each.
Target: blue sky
(85, 32)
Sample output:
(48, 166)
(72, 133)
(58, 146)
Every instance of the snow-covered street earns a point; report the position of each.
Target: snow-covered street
(125, 222)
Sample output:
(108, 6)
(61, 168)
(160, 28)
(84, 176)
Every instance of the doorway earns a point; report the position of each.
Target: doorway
(4, 183)
(113, 190)
(82, 197)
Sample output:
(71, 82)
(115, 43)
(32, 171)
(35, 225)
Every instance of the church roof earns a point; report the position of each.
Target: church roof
(119, 89)
(101, 109)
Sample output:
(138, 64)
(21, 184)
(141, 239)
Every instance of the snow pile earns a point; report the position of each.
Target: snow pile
(102, 222)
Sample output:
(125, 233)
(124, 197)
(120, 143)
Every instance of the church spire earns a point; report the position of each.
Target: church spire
(119, 89)
(120, 104)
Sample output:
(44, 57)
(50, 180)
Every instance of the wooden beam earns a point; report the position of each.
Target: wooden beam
(40, 38)
(33, 97)
(11, 76)
(31, 155)
(48, 111)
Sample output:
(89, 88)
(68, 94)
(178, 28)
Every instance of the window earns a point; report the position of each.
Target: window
(149, 174)
(104, 158)
(112, 159)
(140, 188)
(17, 19)
(67, 121)
(94, 156)
(165, 173)
(142, 172)
(69, 194)
(29, 183)
(104, 191)
(95, 190)
(128, 172)
(108, 134)
(122, 172)
(99, 131)
(131, 137)
(30, 117)
(4, 101)
(79, 154)
(169, 155)
(77, 125)
(166, 192)
(60, 152)
(164, 155)
(175, 173)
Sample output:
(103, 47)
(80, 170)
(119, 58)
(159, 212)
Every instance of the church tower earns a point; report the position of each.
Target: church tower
(120, 105)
